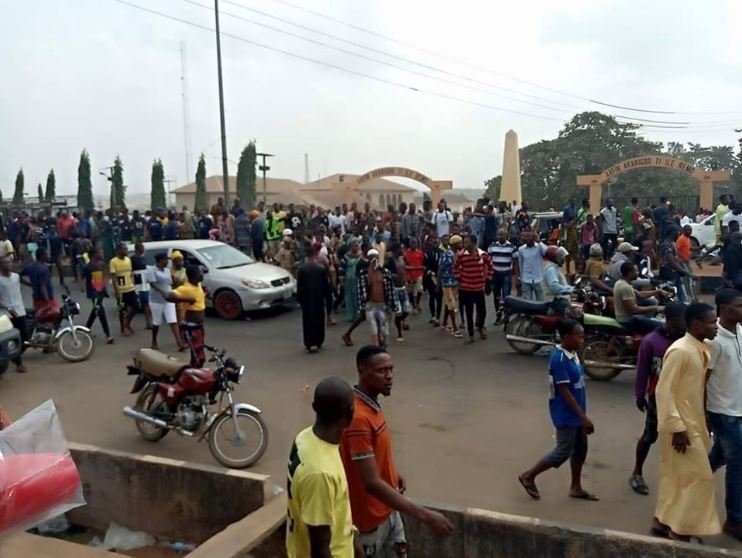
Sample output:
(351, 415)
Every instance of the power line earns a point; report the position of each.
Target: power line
(489, 70)
(336, 67)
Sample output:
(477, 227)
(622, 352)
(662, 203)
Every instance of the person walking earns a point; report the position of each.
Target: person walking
(314, 295)
(531, 267)
(375, 295)
(415, 264)
(568, 410)
(37, 276)
(96, 292)
(504, 256)
(160, 280)
(648, 366)
(430, 281)
(122, 279)
(11, 301)
(319, 522)
(724, 404)
(448, 282)
(138, 271)
(376, 489)
(193, 298)
(686, 505)
(473, 269)
(442, 220)
(631, 216)
(609, 238)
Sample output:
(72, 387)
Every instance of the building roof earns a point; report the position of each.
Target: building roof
(214, 184)
(373, 185)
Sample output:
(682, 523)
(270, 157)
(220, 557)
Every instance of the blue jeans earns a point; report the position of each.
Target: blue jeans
(533, 291)
(727, 450)
(502, 283)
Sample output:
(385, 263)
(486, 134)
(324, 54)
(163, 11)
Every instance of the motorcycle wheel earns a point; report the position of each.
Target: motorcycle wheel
(597, 356)
(75, 351)
(223, 433)
(149, 401)
(524, 327)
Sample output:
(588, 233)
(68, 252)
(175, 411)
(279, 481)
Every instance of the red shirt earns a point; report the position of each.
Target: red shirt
(64, 226)
(367, 437)
(414, 258)
(473, 270)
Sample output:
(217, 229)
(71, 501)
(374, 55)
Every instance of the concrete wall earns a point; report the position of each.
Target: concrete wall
(164, 497)
(487, 534)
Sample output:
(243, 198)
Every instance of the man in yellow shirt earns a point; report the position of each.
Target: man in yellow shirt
(122, 278)
(193, 298)
(721, 210)
(319, 521)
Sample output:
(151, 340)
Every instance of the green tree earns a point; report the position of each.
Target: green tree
(51, 186)
(41, 194)
(157, 195)
(18, 194)
(201, 198)
(118, 190)
(493, 187)
(85, 200)
(246, 176)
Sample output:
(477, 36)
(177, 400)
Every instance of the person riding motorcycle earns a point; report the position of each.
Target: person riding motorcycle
(556, 286)
(628, 312)
(595, 270)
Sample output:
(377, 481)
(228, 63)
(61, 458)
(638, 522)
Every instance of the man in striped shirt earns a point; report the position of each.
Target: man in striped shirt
(504, 256)
(473, 268)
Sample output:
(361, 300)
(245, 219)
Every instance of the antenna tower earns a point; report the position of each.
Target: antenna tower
(186, 110)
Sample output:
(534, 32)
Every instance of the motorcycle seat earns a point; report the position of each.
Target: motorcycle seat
(158, 364)
(525, 306)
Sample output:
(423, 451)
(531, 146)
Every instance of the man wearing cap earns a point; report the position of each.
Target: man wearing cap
(375, 295)
(449, 283)
(623, 254)
(556, 287)
(286, 257)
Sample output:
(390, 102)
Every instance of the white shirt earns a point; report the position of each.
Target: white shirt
(724, 387)
(442, 221)
(338, 221)
(685, 221)
(10, 293)
(729, 217)
(609, 220)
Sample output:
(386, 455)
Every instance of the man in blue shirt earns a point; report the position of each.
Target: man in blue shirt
(568, 408)
(38, 277)
(531, 267)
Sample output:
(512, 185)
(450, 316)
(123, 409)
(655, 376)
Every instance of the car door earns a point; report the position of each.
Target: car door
(191, 258)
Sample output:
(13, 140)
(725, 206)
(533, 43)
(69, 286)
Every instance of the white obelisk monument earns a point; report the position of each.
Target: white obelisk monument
(510, 189)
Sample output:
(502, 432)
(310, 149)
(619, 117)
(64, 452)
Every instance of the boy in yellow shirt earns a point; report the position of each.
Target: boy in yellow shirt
(193, 298)
(122, 277)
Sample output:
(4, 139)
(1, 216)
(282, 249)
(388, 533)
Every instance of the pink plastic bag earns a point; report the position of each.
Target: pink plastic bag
(38, 479)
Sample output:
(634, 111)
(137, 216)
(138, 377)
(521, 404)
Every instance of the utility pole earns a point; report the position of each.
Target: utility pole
(186, 109)
(225, 169)
(168, 180)
(265, 168)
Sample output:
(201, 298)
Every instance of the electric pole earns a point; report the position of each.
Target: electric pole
(225, 169)
(265, 168)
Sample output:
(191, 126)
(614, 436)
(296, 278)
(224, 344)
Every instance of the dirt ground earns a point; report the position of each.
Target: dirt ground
(465, 420)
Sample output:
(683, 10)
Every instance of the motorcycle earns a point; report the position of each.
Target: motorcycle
(54, 329)
(175, 396)
(610, 348)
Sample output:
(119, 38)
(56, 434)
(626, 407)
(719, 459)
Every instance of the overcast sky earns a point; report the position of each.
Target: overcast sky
(106, 76)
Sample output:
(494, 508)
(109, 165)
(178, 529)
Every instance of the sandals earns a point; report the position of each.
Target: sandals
(584, 495)
(347, 340)
(483, 334)
(457, 334)
(530, 488)
(638, 485)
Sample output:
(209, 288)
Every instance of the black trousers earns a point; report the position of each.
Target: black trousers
(98, 311)
(468, 300)
(435, 299)
(20, 324)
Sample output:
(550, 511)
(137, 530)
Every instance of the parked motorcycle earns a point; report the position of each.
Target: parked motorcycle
(175, 396)
(54, 329)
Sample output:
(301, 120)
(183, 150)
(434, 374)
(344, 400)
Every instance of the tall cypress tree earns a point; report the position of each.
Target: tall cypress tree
(202, 201)
(85, 199)
(51, 186)
(157, 194)
(18, 194)
(246, 176)
(118, 190)
(41, 194)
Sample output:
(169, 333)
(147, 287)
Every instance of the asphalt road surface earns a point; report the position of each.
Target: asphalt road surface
(465, 420)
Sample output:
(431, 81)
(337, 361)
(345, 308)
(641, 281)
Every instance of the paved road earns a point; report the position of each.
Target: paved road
(465, 419)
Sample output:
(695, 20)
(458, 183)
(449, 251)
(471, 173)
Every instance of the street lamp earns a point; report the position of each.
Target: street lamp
(265, 168)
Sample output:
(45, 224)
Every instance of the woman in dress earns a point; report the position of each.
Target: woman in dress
(347, 274)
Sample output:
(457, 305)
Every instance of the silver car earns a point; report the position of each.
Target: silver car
(236, 282)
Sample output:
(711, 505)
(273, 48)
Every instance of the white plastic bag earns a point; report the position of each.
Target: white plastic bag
(38, 479)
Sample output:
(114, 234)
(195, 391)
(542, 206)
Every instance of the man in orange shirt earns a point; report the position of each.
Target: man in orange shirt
(683, 245)
(376, 490)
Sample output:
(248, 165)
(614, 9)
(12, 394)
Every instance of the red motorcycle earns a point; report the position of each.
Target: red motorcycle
(175, 396)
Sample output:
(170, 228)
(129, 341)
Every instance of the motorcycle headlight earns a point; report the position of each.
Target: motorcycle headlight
(255, 283)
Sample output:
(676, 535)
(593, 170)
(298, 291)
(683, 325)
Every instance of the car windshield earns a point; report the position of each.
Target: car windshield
(223, 256)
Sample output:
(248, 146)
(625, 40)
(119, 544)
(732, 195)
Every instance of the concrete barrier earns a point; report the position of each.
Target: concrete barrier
(164, 497)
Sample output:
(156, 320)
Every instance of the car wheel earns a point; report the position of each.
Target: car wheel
(228, 305)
